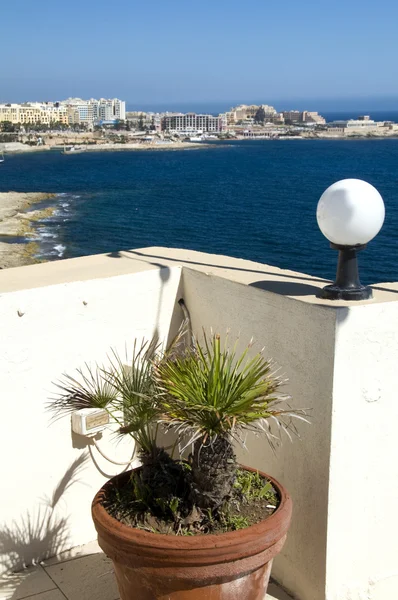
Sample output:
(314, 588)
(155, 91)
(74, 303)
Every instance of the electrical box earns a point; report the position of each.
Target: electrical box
(89, 421)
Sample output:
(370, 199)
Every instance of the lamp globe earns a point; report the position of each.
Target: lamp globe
(350, 212)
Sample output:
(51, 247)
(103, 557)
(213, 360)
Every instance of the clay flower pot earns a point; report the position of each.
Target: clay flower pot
(227, 566)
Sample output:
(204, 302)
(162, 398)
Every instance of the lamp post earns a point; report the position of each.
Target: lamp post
(350, 213)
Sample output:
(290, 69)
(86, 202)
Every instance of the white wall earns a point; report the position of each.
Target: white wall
(299, 337)
(362, 550)
(340, 361)
(62, 327)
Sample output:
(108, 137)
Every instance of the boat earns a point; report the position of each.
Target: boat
(196, 139)
(2, 158)
(74, 150)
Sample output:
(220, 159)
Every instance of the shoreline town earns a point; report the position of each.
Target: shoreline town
(75, 125)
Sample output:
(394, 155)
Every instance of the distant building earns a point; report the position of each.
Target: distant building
(192, 123)
(292, 116)
(313, 117)
(357, 125)
(80, 111)
(362, 125)
(111, 110)
(305, 116)
(245, 113)
(90, 112)
(33, 112)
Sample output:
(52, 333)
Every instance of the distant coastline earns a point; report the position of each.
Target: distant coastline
(17, 147)
(18, 244)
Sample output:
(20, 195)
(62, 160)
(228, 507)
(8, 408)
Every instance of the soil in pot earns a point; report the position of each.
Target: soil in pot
(164, 506)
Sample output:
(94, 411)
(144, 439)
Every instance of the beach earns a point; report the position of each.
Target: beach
(17, 215)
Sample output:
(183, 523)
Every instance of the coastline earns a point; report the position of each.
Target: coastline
(18, 148)
(134, 146)
(17, 237)
(82, 148)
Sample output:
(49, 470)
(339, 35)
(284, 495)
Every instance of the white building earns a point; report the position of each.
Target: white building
(360, 125)
(192, 123)
(111, 110)
(91, 111)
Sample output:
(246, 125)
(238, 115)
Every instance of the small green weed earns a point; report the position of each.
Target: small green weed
(253, 486)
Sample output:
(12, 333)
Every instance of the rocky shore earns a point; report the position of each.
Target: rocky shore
(17, 215)
(83, 146)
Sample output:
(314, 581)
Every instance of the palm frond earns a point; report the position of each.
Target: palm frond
(88, 390)
(126, 389)
(212, 390)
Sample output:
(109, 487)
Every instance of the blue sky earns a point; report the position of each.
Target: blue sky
(173, 51)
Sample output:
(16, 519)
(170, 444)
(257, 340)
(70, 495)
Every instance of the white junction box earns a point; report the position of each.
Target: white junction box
(89, 421)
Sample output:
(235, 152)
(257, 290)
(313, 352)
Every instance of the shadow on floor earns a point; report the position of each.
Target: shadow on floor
(39, 533)
(88, 577)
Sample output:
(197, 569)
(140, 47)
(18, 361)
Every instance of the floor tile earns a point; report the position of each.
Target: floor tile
(277, 593)
(90, 548)
(51, 595)
(28, 582)
(86, 578)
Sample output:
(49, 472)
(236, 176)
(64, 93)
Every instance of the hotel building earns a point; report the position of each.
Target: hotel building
(245, 112)
(305, 116)
(34, 112)
(90, 112)
(192, 123)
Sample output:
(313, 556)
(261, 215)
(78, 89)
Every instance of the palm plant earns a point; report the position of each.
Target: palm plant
(208, 393)
(212, 395)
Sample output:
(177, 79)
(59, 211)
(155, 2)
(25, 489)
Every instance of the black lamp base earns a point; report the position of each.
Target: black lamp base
(347, 285)
(334, 292)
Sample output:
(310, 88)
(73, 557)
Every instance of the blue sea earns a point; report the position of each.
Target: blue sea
(250, 199)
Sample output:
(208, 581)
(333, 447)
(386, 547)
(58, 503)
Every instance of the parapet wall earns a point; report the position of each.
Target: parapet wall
(339, 358)
(49, 477)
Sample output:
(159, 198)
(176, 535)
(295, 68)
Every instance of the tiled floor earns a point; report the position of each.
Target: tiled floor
(84, 573)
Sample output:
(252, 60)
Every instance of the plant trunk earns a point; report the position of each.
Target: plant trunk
(213, 470)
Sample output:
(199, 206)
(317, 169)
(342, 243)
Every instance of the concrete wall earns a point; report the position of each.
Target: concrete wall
(300, 339)
(48, 476)
(340, 360)
(362, 546)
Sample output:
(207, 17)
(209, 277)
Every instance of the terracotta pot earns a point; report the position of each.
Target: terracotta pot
(227, 566)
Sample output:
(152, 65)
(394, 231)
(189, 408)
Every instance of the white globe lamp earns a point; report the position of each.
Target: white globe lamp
(350, 213)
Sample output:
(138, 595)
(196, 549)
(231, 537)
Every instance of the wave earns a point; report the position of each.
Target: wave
(60, 249)
(47, 234)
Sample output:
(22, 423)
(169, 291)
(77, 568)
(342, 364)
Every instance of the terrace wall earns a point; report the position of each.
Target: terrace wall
(339, 358)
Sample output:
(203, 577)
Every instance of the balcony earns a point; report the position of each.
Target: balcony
(340, 361)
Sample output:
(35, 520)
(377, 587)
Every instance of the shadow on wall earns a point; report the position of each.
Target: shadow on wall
(36, 536)
(164, 274)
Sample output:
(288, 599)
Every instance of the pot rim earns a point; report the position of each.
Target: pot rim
(273, 527)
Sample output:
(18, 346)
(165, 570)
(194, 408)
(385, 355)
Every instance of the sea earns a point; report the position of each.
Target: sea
(252, 199)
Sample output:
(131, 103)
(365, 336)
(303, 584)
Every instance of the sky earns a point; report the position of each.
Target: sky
(318, 53)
